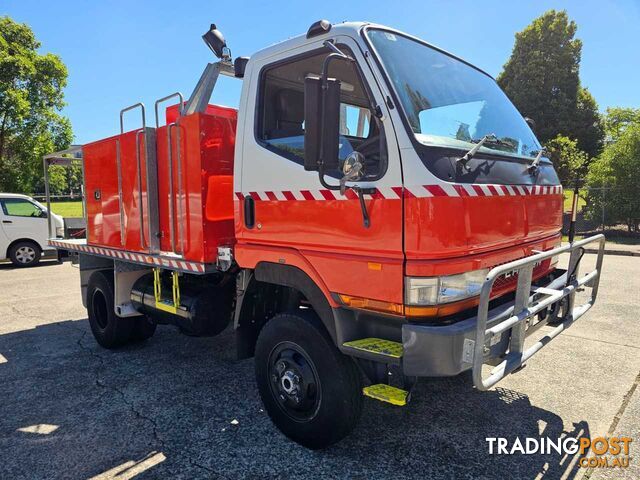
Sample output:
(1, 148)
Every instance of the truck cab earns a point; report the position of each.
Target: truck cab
(375, 211)
(411, 126)
(429, 227)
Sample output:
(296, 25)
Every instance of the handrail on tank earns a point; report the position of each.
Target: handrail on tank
(129, 108)
(172, 227)
(164, 99)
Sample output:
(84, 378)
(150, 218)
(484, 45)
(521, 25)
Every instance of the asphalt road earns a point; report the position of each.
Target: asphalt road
(182, 407)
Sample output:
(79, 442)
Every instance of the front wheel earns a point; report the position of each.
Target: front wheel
(25, 254)
(311, 391)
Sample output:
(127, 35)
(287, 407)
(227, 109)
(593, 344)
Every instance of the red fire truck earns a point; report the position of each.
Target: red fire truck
(375, 211)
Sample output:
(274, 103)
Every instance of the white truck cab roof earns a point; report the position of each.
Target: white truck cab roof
(349, 29)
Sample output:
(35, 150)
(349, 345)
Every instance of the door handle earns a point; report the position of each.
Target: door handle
(7, 221)
(249, 211)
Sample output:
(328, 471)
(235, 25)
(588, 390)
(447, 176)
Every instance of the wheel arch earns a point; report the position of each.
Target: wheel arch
(26, 239)
(270, 289)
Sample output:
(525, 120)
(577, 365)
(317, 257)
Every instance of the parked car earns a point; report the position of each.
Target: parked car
(24, 230)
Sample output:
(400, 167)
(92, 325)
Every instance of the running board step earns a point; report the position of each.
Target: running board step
(376, 349)
(387, 393)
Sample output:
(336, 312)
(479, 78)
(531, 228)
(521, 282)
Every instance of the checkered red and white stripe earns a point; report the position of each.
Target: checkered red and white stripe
(152, 260)
(410, 191)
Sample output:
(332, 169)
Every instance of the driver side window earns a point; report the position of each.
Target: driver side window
(19, 207)
(280, 116)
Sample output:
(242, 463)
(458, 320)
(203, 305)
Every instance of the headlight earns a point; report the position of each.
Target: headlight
(59, 231)
(446, 289)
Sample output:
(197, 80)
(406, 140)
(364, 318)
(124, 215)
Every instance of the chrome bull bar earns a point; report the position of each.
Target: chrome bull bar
(528, 303)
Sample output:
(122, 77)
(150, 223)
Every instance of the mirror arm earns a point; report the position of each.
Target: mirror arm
(363, 206)
(336, 54)
(324, 182)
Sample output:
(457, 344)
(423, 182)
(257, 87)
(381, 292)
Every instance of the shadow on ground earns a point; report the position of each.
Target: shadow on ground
(45, 262)
(182, 407)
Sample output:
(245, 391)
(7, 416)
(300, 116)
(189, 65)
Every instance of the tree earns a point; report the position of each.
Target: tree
(587, 127)
(31, 97)
(542, 79)
(617, 119)
(569, 161)
(617, 172)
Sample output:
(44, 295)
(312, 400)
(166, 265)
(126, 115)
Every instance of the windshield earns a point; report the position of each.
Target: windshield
(449, 103)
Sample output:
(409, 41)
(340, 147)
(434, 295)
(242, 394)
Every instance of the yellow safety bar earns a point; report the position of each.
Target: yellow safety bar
(166, 305)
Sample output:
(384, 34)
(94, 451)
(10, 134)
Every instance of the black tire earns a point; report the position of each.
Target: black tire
(25, 254)
(294, 352)
(109, 330)
(143, 328)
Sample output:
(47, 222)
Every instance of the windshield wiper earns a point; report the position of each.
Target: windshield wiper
(533, 167)
(491, 138)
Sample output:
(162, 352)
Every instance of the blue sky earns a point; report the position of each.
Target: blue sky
(120, 52)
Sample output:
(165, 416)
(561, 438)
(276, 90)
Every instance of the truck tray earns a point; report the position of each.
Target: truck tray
(163, 260)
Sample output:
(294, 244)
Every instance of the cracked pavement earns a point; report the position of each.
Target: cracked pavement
(183, 407)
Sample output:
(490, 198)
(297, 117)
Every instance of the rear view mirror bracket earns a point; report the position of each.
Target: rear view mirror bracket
(322, 116)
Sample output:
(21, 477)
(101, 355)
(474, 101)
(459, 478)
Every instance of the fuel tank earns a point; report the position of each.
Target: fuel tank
(205, 307)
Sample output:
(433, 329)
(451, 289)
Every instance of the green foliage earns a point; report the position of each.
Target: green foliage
(618, 171)
(31, 96)
(617, 119)
(587, 127)
(569, 161)
(542, 79)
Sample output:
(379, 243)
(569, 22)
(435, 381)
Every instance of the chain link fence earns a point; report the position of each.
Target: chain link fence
(604, 209)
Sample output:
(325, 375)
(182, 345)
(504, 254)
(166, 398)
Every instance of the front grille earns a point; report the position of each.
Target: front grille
(506, 282)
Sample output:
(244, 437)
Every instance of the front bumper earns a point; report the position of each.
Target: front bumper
(443, 351)
(496, 336)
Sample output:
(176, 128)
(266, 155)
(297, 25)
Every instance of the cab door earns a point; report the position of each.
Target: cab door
(4, 240)
(281, 205)
(22, 218)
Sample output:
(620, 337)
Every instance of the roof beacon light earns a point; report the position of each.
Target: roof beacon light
(318, 28)
(216, 42)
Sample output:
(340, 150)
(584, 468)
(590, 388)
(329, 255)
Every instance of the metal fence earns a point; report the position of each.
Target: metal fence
(609, 209)
(41, 197)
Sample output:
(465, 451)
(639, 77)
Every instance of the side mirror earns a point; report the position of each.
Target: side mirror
(352, 169)
(321, 124)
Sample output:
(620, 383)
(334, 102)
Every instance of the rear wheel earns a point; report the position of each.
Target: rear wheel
(25, 254)
(109, 330)
(311, 391)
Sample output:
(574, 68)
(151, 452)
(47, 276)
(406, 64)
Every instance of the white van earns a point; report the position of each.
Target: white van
(24, 230)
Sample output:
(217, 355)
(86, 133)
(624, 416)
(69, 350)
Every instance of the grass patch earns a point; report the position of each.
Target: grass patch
(67, 209)
(568, 200)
